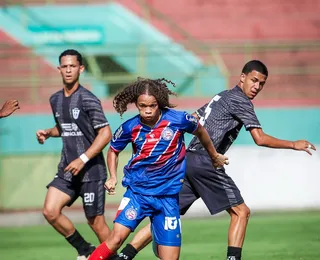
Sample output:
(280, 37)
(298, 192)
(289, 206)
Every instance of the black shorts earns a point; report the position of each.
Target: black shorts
(93, 194)
(217, 190)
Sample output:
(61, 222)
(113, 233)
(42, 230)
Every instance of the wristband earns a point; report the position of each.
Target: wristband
(84, 158)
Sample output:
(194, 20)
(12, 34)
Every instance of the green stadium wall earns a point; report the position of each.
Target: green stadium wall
(17, 133)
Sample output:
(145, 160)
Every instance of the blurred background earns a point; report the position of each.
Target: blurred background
(202, 46)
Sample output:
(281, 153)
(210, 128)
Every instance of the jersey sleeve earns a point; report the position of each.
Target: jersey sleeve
(244, 111)
(189, 123)
(120, 139)
(93, 108)
(201, 110)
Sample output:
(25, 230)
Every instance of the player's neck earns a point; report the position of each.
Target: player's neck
(240, 85)
(70, 89)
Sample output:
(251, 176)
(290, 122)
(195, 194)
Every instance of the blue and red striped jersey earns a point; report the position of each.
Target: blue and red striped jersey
(157, 166)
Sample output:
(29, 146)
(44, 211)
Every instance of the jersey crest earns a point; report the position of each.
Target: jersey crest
(167, 134)
(75, 113)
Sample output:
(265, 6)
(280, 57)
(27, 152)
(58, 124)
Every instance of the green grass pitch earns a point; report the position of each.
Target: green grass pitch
(276, 236)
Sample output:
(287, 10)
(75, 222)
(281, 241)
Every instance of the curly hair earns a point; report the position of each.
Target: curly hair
(154, 87)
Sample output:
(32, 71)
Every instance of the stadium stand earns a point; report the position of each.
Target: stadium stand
(284, 37)
(19, 66)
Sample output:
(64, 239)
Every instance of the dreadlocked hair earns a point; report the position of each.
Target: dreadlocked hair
(154, 87)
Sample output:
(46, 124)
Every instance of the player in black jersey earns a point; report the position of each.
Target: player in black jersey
(223, 117)
(85, 132)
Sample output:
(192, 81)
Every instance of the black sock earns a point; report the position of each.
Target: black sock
(128, 253)
(77, 241)
(234, 253)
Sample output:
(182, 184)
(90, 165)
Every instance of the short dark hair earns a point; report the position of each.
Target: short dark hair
(71, 52)
(255, 65)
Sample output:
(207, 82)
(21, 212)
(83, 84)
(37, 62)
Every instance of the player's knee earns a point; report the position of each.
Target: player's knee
(92, 222)
(244, 212)
(241, 211)
(50, 214)
(96, 223)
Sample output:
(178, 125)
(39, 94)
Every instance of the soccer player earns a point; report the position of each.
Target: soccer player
(155, 173)
(223, 117)
(85, 132)
(9, 107)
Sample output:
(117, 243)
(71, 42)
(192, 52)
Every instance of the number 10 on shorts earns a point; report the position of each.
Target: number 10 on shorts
(171, 223)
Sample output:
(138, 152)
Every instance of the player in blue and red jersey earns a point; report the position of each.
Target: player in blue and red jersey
(154, 175)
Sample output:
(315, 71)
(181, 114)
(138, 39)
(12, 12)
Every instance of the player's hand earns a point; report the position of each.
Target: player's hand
(220, 160)
(9, 107)
(75, 166)
(42, 135)
(110, 185)
(303, 145)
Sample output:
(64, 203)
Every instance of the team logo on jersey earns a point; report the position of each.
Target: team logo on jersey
(167, 134)
(131, 214)
(75, 113)
(192, 119)
(74, 127)
(70, 129)
(151, 138)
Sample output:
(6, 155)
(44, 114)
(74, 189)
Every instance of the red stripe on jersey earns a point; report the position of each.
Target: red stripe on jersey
(182, 153)
(152, 139)
(171, 149)
(135, 132)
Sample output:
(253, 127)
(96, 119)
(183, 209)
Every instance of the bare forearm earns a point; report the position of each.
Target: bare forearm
(112, 162)
(263, 139)
(53, 132)
(99, 143)
(272, 142)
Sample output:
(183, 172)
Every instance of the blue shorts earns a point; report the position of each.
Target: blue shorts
(163, 212)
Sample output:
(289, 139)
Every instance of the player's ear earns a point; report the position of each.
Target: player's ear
(82, 68)
(59, 69)
(242, 77)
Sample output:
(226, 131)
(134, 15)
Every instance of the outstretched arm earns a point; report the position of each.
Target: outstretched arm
(262, 139)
